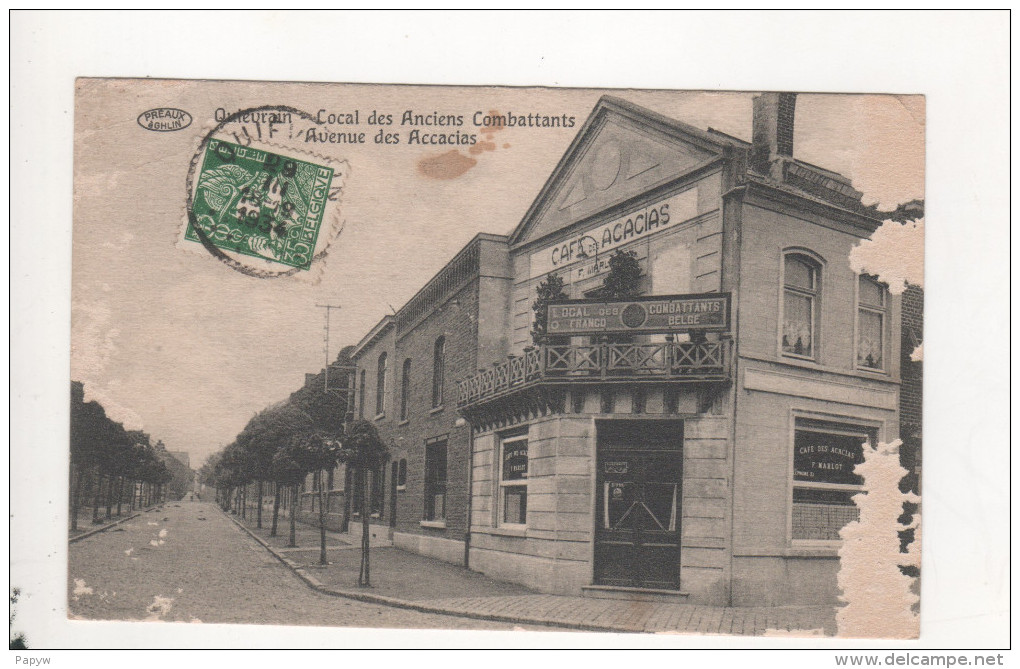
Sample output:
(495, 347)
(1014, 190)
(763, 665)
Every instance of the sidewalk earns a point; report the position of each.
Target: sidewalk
(412, 581)
(86, 528)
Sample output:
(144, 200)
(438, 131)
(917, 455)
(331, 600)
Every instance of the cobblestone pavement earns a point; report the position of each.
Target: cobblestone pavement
(439, 586)
(189, 562)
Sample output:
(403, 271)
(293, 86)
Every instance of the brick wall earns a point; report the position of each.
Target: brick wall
(455, 320)
(912, 374)
(911, 390)
(471, 317)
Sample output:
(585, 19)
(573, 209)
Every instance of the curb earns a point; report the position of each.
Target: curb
(316, 585)
(88, 534)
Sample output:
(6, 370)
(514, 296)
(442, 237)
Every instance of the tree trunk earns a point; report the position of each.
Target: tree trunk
(345, 525)
(322, 518)
(363, 577)
(120, 495)
(109, 496)
(75, 495)
(258, 523)
(97, 499)
(276, 508)
(293, 516)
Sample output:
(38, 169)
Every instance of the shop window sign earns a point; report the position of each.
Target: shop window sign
(825, 482)
(513, 481)
(515, 461)
(827, 458)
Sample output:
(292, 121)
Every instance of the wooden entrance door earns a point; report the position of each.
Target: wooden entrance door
(637, 533)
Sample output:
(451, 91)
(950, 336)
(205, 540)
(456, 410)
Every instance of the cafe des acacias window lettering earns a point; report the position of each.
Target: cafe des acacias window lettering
(824, 481)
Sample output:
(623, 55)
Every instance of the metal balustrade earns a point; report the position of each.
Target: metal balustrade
(666, 361)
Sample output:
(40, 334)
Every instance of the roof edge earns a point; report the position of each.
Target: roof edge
(610, 104)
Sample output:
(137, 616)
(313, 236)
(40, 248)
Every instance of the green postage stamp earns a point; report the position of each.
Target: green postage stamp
(260, 204)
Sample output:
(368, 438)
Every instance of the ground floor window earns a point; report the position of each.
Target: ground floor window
(401, 474)
(435, 480)
(513, 481)
(377, 500)
(824, 483)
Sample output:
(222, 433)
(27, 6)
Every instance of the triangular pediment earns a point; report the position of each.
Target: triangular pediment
(622, 151)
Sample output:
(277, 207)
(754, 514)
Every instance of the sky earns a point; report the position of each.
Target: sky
(178, 344)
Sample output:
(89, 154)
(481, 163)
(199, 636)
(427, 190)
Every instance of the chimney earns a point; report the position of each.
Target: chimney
(772, 132)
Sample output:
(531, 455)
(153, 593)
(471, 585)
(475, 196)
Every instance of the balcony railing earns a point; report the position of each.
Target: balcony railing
(602, 362)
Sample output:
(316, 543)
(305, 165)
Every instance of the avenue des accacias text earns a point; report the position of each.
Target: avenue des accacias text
(422, 123)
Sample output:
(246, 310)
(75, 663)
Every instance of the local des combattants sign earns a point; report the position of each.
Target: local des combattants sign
(648, 315)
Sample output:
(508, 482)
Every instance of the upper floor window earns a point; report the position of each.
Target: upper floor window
(361, 394)
(405, 388)
(801, 297)
(438, 370)
(380, 386)
(872, 301)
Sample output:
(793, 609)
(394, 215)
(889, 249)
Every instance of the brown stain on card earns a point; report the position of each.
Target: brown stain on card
(482, 146)
(449, 165)
(453, 163)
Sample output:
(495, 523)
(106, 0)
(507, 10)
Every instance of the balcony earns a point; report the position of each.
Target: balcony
(600, 363)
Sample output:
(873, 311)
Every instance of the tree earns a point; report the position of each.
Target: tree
(287, 471)
(228, 473)
(365, 452)
(89, 431)
(327, 411)
(622, 281)
(315, 451)
(102, 451)
(549, 290)
(111, 461)
(266, 433)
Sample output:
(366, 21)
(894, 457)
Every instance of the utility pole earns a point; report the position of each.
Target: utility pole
(347, 394)
(325, 338)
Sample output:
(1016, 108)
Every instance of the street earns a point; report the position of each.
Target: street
(188, 562)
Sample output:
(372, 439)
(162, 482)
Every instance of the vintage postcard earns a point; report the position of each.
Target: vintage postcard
(496, 358)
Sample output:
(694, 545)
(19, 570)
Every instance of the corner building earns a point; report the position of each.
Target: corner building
(712, 466)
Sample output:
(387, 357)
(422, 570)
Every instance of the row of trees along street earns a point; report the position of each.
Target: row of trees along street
(114, 467)
(309, 433)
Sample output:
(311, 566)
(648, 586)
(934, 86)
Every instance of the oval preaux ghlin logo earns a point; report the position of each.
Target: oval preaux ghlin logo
(164, 119)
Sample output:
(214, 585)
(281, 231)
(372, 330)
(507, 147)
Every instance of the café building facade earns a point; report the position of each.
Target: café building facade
(693, 442)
